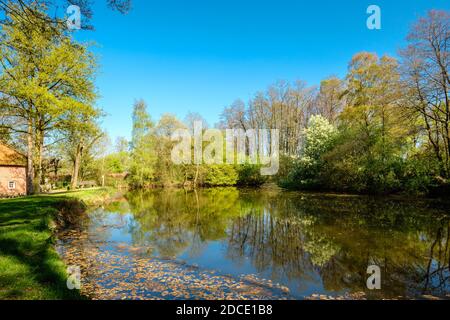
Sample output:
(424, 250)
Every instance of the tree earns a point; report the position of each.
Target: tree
(121, 145)
(330, 100)
(189, 171)
(119, 160)
(319, 139)
(80, 141)
(426, 62)
(143, 144)
(234, 116)
(25, 9)
(168, 174)
(193, 117)
(283, 106)
(373, 136)
(46, 83)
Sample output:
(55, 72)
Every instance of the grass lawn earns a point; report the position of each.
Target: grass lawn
(30, 268)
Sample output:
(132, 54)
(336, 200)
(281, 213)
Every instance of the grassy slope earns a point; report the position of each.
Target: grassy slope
(30, 268)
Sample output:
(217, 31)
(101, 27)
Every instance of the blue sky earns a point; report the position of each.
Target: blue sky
(200, 56)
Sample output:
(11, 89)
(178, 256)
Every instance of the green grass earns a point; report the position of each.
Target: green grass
(30, 268)
(92, 196)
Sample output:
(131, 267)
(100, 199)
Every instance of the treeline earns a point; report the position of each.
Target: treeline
(147, 159)
(383, 128)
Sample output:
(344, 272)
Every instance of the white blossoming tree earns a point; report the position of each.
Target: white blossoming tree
(319, 138)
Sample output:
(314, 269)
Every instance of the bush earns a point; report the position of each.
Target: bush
(304, 176)
(287, 164)
(221, 175)
(250, 175)
(418, 175)
(319, 139)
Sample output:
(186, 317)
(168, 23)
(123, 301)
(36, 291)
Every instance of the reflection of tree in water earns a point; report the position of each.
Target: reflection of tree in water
(339, 237)
(103, 220)
(172, 220)
(277, 238)
(301, 237)
(437, 273)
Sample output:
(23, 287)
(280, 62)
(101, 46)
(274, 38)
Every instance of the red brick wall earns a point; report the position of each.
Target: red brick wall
(17, 174)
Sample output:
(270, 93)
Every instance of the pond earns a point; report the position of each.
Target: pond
(228, 243)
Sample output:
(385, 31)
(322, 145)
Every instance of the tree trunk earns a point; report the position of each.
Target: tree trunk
(39, 154)
(30, 155)
(196, 176)
(76, 166)
(56, 169)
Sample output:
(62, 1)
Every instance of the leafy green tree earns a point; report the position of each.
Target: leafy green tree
(119, 160)
(373, 136)
(46, 82)
(168, 174)
(79, 143)
(143, 146)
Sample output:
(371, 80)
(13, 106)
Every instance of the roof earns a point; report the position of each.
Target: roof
(11, 157)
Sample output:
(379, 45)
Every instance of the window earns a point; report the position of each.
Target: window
(11, 185)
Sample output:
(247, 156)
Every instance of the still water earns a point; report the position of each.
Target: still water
(309, 243)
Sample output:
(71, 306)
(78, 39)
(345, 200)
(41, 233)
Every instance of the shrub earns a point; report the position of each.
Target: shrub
(250, 175)
(319, 139)
(221, 175)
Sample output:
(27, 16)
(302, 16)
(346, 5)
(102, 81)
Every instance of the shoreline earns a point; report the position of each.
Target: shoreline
(30, 267)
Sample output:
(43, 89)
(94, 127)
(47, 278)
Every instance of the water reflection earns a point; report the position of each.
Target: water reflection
(309, 243)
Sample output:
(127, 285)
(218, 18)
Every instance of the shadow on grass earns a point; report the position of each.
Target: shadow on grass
(30, 268)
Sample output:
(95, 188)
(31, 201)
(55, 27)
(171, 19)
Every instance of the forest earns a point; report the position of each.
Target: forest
(382, 128)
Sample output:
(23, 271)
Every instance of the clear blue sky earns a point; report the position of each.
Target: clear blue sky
(200, 56)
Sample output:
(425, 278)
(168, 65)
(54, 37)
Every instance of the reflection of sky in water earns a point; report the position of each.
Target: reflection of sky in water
(209, 255)
(334, 254)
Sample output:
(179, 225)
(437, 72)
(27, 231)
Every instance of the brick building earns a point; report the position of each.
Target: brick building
(13, 172)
